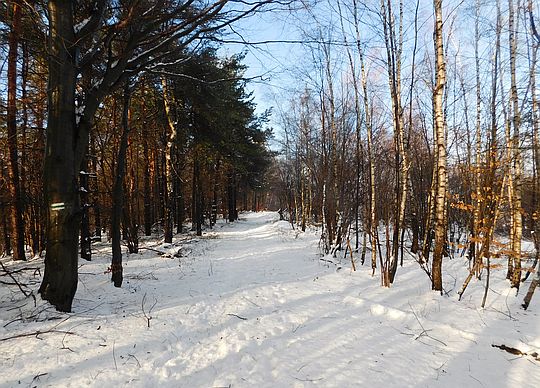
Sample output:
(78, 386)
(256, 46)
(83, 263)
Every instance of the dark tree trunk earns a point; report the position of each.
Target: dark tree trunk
(197, 197)
(213, 219)
(245, 197)
(14, 184)
(95, 194)
(130, 215)
(147, 192)
(60, 168)
(162, 190)
(118, 193)
(231, 196)
(86, 241)
(415, 245)
(179, 205)
(5, 232)
(34, 230)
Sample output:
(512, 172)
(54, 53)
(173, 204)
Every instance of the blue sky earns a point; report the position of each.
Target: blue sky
(271, 61)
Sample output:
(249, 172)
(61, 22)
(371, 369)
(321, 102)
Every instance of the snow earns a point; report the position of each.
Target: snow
(250, 304)
(79, 26)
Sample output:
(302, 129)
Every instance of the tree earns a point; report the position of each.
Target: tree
(514, 264)
(440, 146)
(14, 184)
(118, 191)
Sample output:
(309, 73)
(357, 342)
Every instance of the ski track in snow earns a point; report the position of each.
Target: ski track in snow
(251, 305)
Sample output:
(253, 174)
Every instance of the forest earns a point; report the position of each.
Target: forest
(402, 131)
(382, 194)
(133, 127)
(415, 133)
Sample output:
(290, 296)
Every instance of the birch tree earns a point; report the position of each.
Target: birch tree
(440, 145)
(514, 265)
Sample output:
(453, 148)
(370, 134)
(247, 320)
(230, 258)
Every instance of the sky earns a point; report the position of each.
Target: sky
(269, 63)
(283, 66)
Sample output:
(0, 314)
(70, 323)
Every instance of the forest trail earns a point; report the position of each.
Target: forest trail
(251, 304)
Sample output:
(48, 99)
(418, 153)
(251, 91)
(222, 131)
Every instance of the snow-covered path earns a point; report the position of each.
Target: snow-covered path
(250, 304)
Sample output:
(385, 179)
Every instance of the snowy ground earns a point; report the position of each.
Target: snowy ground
(252, 305)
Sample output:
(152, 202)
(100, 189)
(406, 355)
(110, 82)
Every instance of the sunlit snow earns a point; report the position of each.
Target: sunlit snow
(250, 304)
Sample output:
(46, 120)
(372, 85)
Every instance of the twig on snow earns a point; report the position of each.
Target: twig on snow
(36, 377)
(147, 315)
(424, 331)
(238, 316)
(114, 356)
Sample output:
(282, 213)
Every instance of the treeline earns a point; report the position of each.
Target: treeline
(415, 132)
(121, 120)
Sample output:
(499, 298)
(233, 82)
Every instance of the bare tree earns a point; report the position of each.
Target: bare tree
(514, 266)
(440, 144)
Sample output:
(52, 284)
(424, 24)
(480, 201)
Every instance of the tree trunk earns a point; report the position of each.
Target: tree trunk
(61, 162)
(440, 138)
(180, 205)
(393, 55)
(517, 222)
(197, 214)
(86, 241)
(215, 188)
(95, 195)
(5, 234)
(14, 184)
(118, 193)
(373, 222)
(169, 178)
(231, 197)
(477, 217)
(535, 229)
(147, 190)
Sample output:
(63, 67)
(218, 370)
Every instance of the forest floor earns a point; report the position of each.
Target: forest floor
(253, 304)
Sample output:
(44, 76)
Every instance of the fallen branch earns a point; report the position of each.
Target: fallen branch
(161, 253)
(35, 269)
(36, 333)
(15, 281)
(517, 352)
